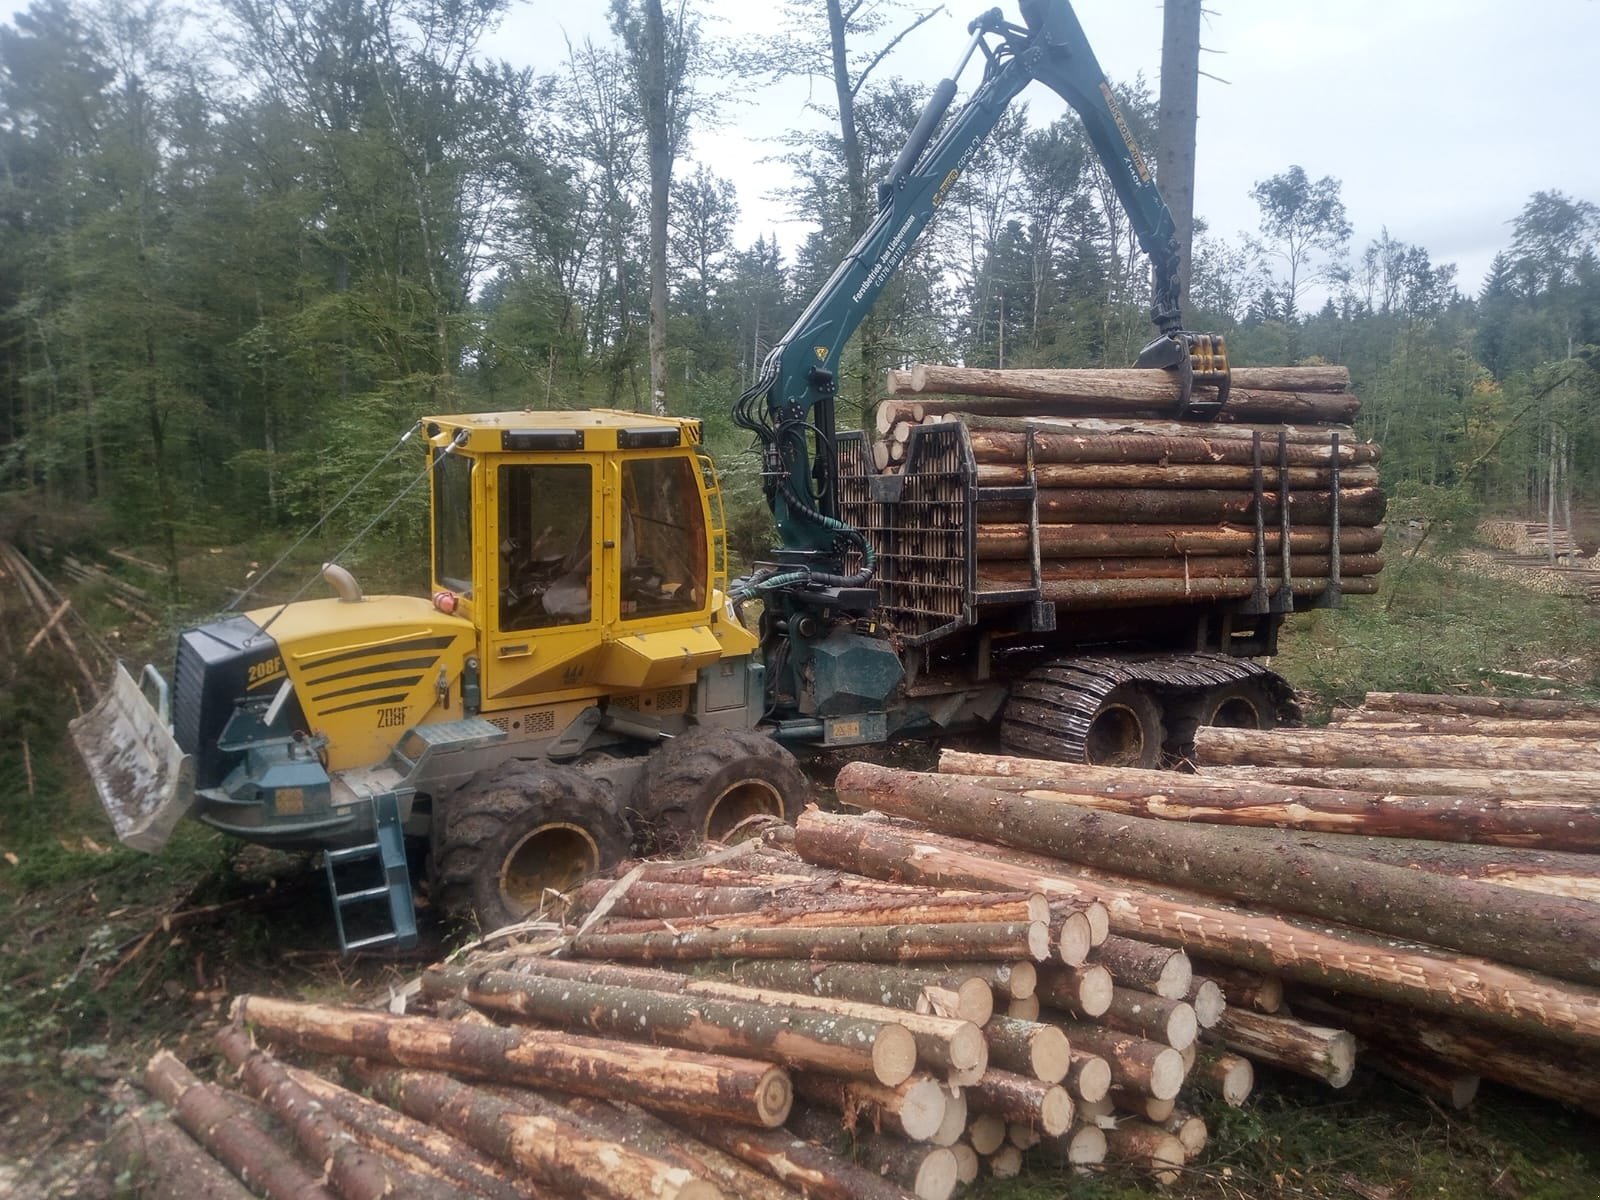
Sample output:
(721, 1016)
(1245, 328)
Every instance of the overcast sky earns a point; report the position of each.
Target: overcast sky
(1441, 119)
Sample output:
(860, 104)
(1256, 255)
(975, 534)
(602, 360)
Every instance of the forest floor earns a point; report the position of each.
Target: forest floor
(107, 954)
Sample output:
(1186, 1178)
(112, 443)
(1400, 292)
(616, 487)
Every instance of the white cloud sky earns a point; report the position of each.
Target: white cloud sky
(1441, 119)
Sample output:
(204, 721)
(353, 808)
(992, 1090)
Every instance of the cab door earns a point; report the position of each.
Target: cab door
(543, 603)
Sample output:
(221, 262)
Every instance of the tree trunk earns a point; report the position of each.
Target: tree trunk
(1321, 436)
(1162, 475)
(648, 1134)
(713, 1085)
(1043, 1106)
(1138, 1064)
(1482, 706)
(1554, 786)
(1197, 448)
(1299, 1046)
(1544, 933)
(864, 911)
(1156, 506)
(915, 1110)
(1446, 1086)
(1089, 1076)
(1099, 393)
(1545, 824)
(355, 1172)
(1141, 1145)
(536, 1136)
(1170, 1021)
(658, 151)
(1175, 128)
(927, 1172)
(1129, 572)
(875, 1049)
(1014, 541)
(1161, 970)
(1033, 1048)
(892, 943)
(223, 1124)
(1246, 989)
(1229, 1077)
(1361, 748)
(1084, 991)
(1357, 720)
(1531, 1064)
(1305, 950)
(158, 1159)
(908, 988)
(421, 1147)
(941, 1042)
(806, 1167)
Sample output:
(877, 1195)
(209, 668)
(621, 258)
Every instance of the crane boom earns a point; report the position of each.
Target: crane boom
(791, 406)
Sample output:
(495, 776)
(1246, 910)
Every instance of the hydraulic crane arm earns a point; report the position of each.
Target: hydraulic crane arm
(791, 406)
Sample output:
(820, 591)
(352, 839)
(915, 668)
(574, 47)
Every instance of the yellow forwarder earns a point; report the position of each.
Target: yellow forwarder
(576, 674)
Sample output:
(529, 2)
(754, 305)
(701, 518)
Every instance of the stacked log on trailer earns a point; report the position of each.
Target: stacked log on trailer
(1275, 491)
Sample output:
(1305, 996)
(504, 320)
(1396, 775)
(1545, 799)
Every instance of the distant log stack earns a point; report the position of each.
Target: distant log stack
(1131, 506)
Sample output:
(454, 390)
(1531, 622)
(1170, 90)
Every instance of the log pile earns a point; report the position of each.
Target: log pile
(1005, 963)
(1289, 859)
(1134, 507)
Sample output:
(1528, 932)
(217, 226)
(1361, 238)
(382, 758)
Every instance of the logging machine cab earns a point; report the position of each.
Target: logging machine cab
(583, 547)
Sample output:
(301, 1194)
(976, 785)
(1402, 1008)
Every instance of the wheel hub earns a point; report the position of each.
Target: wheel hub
(1115, 739)
(739, 802)
(550, 858)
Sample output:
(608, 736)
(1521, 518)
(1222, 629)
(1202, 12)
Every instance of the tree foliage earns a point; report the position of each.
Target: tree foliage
(236, 260)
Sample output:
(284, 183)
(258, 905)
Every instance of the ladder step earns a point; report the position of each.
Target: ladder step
(377, 939)
(371, 893)
(353, 852)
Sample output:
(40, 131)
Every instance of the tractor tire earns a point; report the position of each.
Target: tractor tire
(703, 783)
(1126, 730)
(513, 835)
(1243, 704)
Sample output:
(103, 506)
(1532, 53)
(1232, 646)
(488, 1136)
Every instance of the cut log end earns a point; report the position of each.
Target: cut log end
(987, 1133)
(1208, 1003)
(1006, 1163)
(894, 1056)
(1075, 939)
(975, 1001)
(967, 1162)
(1039, 941)
(1087, 1146)
(1166, 1074)
(922, 1110)
(1056, 1111)
(1090, 1077)
(1050, 1054)
(953, 1125)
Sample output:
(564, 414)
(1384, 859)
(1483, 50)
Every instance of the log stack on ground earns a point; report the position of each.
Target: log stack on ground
(1330, 927)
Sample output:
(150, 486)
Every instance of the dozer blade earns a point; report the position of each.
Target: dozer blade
(146, 783)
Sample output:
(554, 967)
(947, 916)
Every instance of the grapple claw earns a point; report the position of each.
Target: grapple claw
(1198, 358)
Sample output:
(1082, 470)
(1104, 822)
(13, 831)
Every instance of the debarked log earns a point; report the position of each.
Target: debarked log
(1295, 1045)
(1479, 818)
(1155, 506)
(1193, 446)
(1370, 748)
(536, 1136)
(1303, 949)
(863, 1048)
(995, 541)
(223, 1124)
(1222, 477)
(1544, 933)
(712, 1085)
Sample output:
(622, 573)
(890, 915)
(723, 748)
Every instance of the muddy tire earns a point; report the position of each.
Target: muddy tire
(1058, 713)
(1243, 704)
(1126, 730)
(512, 835)
(705, 782)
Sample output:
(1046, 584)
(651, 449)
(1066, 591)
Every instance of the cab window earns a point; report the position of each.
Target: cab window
(546, 545)
(663, 538)
(452, 523)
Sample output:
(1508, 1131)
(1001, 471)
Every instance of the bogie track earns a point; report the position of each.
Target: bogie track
(1138, 711)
